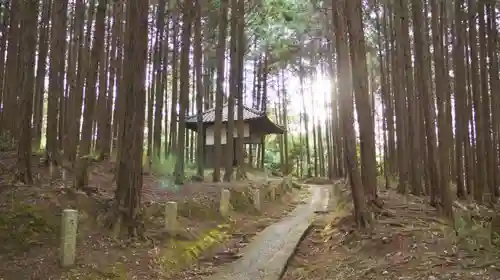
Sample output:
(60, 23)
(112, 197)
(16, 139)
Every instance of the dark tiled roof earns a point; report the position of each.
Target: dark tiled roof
(256, 117)
(209, 115)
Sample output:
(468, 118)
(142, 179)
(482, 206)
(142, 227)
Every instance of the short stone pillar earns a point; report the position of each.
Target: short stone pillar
(64, 175)
(256, 199)
(69, 225)
(331, 197)
(272, 193)
(171, 211)
(52, 170)
(224, 203)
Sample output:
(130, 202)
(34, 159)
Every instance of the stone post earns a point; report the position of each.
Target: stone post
(68, 237)
(224, 203)
(331, 197)
(52, 171)
(171, 222)
(64, 178)
(272, 193)
(256, 199)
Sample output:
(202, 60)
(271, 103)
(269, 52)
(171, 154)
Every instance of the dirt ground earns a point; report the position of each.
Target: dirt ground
(408, 241)
(30, 226)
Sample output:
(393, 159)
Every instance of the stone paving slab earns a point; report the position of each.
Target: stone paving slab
(266, 256)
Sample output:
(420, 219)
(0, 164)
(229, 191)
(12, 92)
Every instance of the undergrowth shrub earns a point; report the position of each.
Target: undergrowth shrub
(471, 234)
(164, 167)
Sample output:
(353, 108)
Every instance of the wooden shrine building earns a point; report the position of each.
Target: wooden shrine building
(256, 126)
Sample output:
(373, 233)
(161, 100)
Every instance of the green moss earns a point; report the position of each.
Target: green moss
(180, 254)
(25, 225)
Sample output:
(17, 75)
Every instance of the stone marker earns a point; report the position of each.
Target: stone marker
(64, 178)
(256, 199)
(331, 197)
(272, 193)
(171, 222)
(224, 203)
(68, 237)
(52, 171)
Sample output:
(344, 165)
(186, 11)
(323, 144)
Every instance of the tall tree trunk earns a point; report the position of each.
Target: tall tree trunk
(160, 75)
(172, 139)
(187, 18)
(10, 90)
(422, 57)
(440, 79)
(56, 78)
(460, 95)
(363, 108)
(41, 71)
(240, 57)
(233, 88)
(198, 56)
(347, 115)
(481, 179)
(96, 55)
(129, 172)
(221, 48)
(27, 44)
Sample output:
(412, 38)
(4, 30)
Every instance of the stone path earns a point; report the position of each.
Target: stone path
(266, 256)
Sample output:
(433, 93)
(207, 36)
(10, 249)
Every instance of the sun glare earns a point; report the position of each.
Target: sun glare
(317, 96)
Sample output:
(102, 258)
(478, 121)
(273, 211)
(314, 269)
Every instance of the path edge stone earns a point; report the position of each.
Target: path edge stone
(290, 253)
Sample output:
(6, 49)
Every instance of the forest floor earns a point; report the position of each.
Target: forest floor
(30, 226)
(408, 241)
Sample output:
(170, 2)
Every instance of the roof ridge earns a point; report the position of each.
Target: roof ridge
(248, 108)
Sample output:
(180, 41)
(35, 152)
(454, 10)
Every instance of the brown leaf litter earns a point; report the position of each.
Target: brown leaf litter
(30, 226)
(408, 241)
